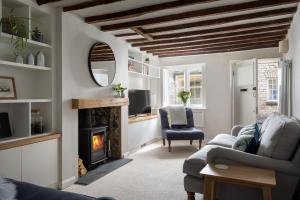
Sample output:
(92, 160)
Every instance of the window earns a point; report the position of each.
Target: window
(188, 78)
(196, 87)
(273, 90)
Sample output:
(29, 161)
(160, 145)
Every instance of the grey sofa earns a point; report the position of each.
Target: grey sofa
(279, 150)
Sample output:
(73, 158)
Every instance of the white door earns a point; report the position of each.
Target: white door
(244, 92)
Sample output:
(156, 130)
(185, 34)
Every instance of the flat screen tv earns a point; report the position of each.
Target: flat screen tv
(139, 102)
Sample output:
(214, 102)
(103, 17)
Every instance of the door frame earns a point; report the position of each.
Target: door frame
(232, 64)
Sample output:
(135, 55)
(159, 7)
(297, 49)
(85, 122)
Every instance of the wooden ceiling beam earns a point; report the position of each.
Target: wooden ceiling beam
(227, 29)
(208, 48)
(218, 45)
(41, 2)
(219, 51)
(141, 32)
(126, 34)
(214, 41)
(276, 30)
(88, 4)
(225, 20)
(136, 12)
(228, 9)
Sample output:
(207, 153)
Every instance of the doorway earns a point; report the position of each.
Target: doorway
(255, 89)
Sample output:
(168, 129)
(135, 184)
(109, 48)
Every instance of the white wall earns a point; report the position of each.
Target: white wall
(294, 54)
(77, 37)
(218, 96)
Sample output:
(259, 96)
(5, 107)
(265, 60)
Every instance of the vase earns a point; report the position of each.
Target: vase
(30, 59)
(19, 59)
(40, 59)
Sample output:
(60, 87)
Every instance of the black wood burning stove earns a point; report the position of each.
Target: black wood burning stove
(93, 146)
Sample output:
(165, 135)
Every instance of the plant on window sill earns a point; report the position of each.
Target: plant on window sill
(184, 96)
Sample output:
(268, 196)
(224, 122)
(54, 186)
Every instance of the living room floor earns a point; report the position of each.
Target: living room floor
(154, 174)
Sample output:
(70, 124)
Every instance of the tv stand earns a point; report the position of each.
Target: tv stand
(139, 118)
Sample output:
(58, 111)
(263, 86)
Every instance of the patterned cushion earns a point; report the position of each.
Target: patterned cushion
(247, 139)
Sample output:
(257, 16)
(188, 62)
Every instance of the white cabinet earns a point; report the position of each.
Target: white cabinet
(40, 163)
(10, 163)
(36, 163)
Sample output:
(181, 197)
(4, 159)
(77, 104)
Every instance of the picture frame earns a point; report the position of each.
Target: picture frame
(5, 130)
(7, 88)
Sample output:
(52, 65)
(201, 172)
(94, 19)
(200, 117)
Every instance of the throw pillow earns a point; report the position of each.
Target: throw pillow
(248, 139)
(7, 190)
(253, 145)
(247, 130)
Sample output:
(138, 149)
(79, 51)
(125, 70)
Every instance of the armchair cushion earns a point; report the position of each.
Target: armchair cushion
(224, 140)
(280, 138)
(183, 134)
(230, 156)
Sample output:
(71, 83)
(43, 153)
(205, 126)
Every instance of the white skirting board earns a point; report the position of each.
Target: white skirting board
(67, 182)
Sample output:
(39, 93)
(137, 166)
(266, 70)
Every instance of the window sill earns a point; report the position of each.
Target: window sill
(196, 107)
(272, 103)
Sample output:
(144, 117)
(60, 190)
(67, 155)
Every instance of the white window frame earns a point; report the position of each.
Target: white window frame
(269, 90)
(187, 69)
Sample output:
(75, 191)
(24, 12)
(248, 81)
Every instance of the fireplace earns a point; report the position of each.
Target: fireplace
(99, 130)
(93, 146)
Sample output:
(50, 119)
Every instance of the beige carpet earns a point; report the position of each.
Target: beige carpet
(154, 174)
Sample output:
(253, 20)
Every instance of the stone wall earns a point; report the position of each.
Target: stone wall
(265, 72)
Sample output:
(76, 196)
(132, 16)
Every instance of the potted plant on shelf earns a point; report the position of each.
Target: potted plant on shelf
(15, 26)
(119, 89)
(184, 96)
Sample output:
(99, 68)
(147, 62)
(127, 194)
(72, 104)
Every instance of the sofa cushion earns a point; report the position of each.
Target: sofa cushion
(193, 164)
(183, 134)
(280, 137)
(224, 140)
(248, 139)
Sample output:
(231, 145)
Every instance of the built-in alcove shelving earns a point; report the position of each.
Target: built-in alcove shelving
(34, 84)
(141, 64)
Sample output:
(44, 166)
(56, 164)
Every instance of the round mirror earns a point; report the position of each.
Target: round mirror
(102, 64)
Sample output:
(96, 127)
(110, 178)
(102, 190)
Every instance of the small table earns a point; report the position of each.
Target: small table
(241, 175)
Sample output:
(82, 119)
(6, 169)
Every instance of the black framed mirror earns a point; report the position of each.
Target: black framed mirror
(102, 64)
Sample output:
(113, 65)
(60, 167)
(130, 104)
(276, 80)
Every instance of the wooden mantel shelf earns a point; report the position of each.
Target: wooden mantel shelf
(98, 103)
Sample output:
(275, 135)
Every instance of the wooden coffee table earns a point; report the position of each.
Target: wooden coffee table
(241, 175)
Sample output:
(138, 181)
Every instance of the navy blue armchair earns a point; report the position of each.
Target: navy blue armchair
(180, 132)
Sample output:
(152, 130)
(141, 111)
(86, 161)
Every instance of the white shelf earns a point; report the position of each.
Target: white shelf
(137, 61)
(25, 101)
(7, 38)
(141, 74)
(25, 66)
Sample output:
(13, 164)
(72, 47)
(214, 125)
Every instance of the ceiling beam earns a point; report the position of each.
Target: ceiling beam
(41, 2)
(141, 32)
(214, 41)
(219, 45)
(136, 12)
(88, 4)
(219, 51)
(126, 34)
(225, 20)
(236, 45)
(275, 30)
(228, 9)
(228, 29)
(248, 26)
